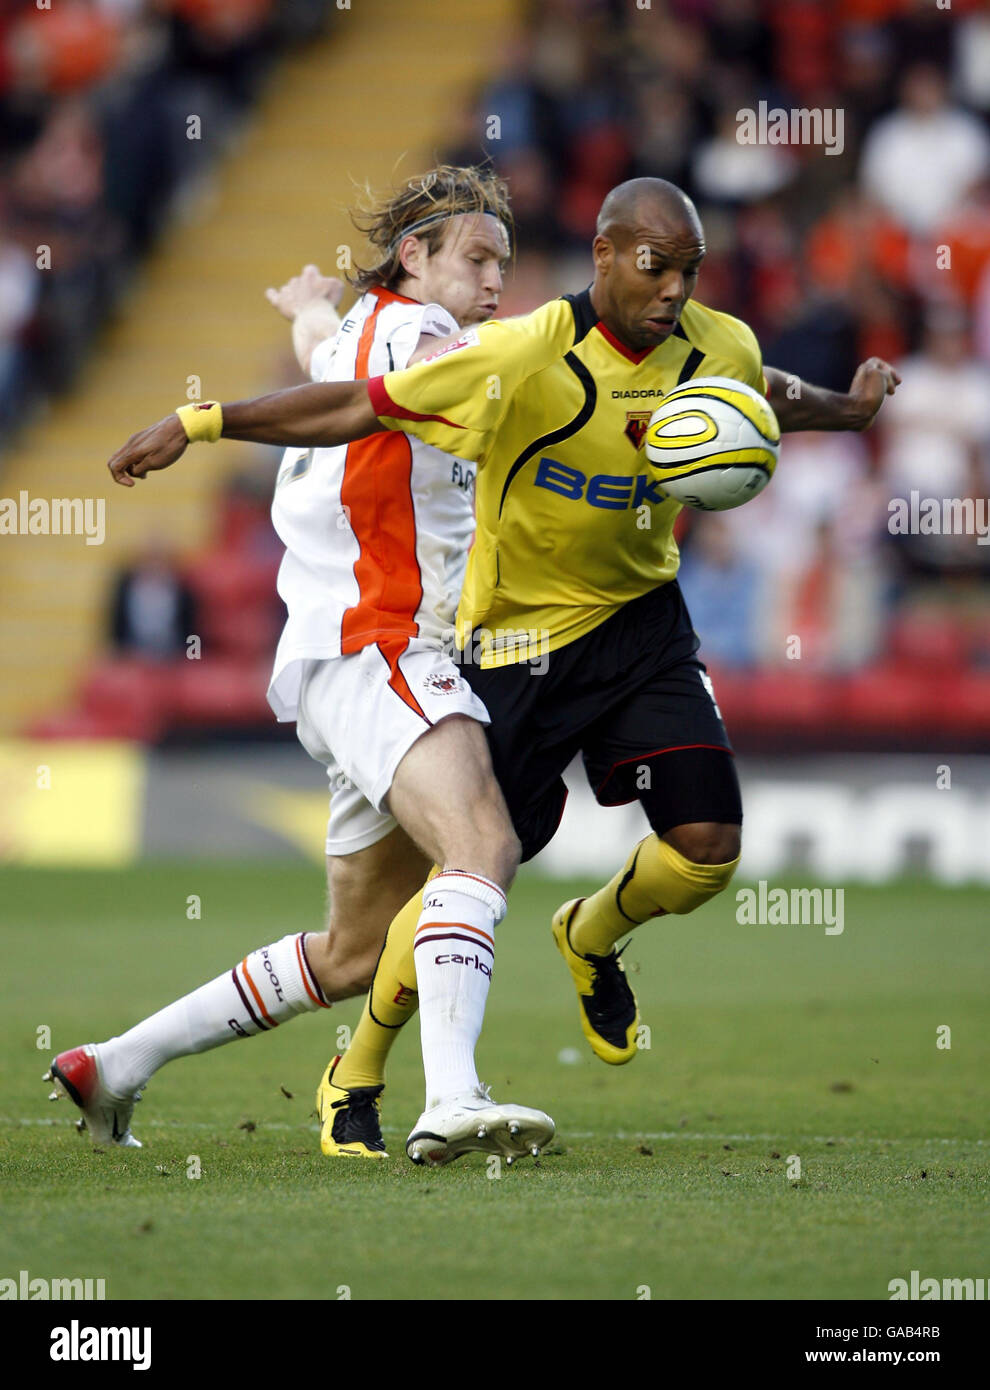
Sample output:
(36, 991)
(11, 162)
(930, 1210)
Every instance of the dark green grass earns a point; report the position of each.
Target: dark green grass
(672, 1172)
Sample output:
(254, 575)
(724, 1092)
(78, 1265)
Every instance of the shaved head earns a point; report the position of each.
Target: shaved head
(647, 252)
(640, 203)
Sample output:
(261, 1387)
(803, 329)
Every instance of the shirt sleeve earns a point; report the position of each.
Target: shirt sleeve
(457, 398)
(747, 357)
(739, 357)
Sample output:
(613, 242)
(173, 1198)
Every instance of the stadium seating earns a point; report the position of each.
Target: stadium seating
(277, 202)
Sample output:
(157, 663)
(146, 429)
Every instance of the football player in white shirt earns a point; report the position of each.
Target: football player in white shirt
(377, 534)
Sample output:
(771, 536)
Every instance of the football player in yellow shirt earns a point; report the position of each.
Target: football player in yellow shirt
(572, 625)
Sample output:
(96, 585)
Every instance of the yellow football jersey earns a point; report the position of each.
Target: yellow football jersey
(553, 409)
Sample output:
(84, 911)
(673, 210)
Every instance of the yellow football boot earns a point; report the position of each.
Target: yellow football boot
(609, 1015)
(350, 1122)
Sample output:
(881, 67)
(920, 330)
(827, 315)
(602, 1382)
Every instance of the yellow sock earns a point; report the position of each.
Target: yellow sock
(654, 880)
(391, 1002)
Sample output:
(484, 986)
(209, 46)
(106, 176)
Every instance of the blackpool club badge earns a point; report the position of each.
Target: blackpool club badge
(442, 684)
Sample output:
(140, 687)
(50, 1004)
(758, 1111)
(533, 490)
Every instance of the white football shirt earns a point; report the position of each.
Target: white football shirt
(376, 532)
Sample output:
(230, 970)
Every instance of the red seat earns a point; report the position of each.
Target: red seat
(966, 704)
(222, 691)
(784, 702)
(227, 577)
(923, 640)
(890, 699)
(132, 724)
(119, 681)
(237, 612)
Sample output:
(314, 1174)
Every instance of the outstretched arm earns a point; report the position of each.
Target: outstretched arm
(801, 406)
(323, 414)
(309, 302)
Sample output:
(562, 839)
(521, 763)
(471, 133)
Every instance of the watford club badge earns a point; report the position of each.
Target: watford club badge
(636, 423)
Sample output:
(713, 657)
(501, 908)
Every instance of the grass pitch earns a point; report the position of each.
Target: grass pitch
(673, 1177)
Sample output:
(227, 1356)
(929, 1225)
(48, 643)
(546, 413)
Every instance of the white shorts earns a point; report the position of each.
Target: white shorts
(360, 714)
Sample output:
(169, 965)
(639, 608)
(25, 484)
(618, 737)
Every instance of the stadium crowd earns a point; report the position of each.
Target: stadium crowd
(879, 244)
(879, 247)
(97, 153)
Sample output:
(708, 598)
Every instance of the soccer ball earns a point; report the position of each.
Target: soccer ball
(713, 443)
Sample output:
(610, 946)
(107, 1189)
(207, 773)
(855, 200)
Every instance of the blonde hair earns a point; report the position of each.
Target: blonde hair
(423, 206)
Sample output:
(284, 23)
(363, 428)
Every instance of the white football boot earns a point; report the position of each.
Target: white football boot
(473, 1123)
(77, 1074)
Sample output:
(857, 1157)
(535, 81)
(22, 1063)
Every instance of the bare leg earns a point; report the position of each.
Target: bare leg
(366, 890)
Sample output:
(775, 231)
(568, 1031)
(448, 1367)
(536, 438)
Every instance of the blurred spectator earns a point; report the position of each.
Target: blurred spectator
(966, 232)
(63, 48)
(533, 206)
(152, 608)
(726, 171)
(814, 536)
(94, 100)
(812, 336)
(859, 257)
(938, 424)
(805, 37)
(921, 159)
(722, 590)
(741, 39)
(866, 60)
(854, 237)
(936, 438)
(225, 41)
(972, 60)
(830, 260)
(18, 298)
(56, 210)
(666, 135)
(981, 317)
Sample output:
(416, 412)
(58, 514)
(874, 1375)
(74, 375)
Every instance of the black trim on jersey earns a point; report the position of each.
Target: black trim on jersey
(585, 318)
(694, 358)
(565, 431)
(391, 359)
(694, 361)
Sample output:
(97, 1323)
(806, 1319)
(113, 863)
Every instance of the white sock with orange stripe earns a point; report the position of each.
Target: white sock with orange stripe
(455, 954)
(268, 987)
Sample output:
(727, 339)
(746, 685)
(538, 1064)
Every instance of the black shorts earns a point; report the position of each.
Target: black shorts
(634, 700)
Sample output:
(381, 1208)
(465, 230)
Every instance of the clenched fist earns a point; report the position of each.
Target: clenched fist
(145, 452)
